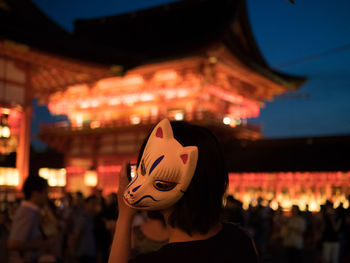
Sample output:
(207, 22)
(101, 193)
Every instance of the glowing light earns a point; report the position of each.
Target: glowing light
(213, 60)
(9, 176)
(95, 124)
(135, 119)
(132, 80)
(154, 111)
(54, 177)
(170, 94)
(274, 205)
(226, 120)
(5, 111)
(79, 120)
(90, 178)
(165, 75)
(130, 99)
(5, 132)
(182, 93)
(95, 103)
(146, 97)
(179, 116)
(85, 104)
(240, 107)
(109, 169)
(304, 189)
(114, 101)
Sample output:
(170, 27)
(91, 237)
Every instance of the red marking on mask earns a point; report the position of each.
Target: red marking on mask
(159, 133)
(184, 158)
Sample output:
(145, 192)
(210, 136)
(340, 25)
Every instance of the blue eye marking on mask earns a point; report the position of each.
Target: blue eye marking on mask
(135, 189)
(156, 162)
(143, 197)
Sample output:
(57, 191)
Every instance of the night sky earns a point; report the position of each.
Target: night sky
(309, 38)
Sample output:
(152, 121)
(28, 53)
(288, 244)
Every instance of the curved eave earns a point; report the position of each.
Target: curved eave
(249, 53)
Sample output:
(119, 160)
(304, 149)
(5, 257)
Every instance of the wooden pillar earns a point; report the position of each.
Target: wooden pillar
(23, 149)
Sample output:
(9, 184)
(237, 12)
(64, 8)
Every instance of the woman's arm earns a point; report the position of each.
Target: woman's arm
(120, 249)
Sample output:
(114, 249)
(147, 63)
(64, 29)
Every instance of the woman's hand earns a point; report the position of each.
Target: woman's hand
(124, 210)
(120, 249)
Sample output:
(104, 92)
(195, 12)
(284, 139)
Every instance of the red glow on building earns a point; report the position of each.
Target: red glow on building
(288, 188)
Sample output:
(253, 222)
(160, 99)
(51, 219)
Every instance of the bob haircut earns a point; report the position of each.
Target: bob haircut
(200, 208)
(34, 183)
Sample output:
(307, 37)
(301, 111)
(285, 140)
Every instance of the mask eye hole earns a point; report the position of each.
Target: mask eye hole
(143, 169)
(163, 185)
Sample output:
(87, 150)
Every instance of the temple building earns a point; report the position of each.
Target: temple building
(192, 60)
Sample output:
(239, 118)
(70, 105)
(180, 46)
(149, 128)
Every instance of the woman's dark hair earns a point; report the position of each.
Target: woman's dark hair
(33, 184)
(156, 215)
(201, 206)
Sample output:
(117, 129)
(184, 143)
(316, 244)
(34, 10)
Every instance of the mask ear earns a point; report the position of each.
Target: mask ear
(163, 130)
(188, 158)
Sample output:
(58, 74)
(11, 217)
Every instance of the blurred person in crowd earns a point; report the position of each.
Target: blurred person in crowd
(83, 242)
(102, 235)
(26, 241)
(52, 228)
(101, 200)
(259, 220)
(111, 209)
(344, 253)
(233, 211)
(292, 233)
(78, 204)
(181, 173)
(344, 233)
(5, 224)
(110, 215)
(276, 239)
(66, 211)
(149, 236)
(330, 237)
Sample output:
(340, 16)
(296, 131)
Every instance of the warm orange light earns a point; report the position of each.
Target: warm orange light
(54, 177)
(9, 176)
(135, 119)
(95, 124)
(286, 189)
(179, 116)
(226, 120)
(132, 80)
(5, 131)
(5, 111)
(78, 89)
(90, 178)
(79, 121)
(109, 169)
(240, 107)
(165, 75)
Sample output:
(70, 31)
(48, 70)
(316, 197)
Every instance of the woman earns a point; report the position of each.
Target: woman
(181, 173)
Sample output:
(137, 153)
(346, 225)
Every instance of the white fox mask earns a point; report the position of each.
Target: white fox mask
(164, 172)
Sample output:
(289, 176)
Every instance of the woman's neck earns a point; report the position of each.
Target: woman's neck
(178, 235)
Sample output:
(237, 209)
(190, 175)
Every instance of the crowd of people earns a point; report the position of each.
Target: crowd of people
(295, 236)
(79, 229)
